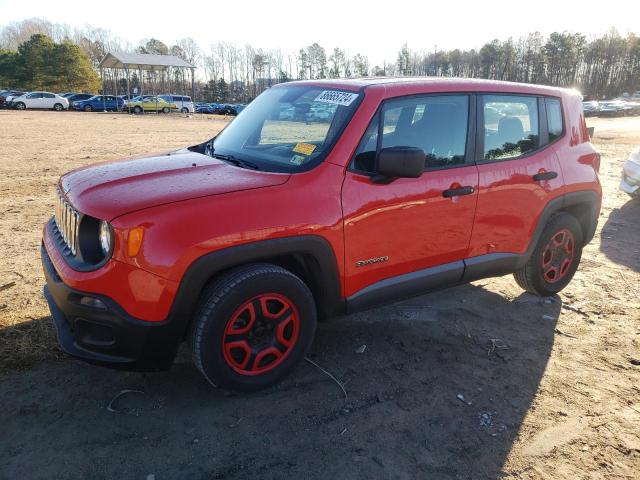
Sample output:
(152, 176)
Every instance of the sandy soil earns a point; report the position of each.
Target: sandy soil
(480, 381)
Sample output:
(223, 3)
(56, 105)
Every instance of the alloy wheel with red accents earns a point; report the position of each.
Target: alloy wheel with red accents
(558, 255)
(253, 326)
(555, 258)
(261, 333)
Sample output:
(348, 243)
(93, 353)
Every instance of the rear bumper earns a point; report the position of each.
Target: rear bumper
(107, 336)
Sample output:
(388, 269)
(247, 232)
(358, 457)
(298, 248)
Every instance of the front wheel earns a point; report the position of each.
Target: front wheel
(88, 108)
(58, 107)
(185, 110)
(166, 110)
(253, 326)
(555, 258)
(20, 106)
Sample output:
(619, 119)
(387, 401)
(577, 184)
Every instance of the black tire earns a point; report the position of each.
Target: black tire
(185, 110)
(532, 276)
(218, 312)
(21, 106)
(166, 110)
(58, 107)
(88, 108)
(137, 109)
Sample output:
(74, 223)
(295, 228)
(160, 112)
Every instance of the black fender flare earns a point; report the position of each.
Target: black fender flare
(323, 269)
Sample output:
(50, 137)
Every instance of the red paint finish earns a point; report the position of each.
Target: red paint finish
(188, 211)
(142, 294)
(408, 221)
(109, 190)
(510, 202)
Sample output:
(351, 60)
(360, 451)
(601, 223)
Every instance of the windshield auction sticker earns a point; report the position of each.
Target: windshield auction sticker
(336, 98)
(304, 148)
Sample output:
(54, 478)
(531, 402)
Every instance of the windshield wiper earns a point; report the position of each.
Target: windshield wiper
(236, 161)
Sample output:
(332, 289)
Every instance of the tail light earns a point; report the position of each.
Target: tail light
(596, 162)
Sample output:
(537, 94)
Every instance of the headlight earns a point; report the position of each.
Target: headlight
(106, 237)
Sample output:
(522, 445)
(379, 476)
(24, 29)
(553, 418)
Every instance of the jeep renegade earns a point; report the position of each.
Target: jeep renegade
(320, 198)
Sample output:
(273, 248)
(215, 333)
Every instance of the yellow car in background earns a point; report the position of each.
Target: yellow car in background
(151, 104)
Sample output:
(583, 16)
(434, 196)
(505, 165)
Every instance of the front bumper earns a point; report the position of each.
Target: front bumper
(107, 336)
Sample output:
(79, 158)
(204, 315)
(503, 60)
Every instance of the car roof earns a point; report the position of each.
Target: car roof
(407, 85)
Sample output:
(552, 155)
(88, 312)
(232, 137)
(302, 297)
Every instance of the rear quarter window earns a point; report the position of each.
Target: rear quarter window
(555, 123)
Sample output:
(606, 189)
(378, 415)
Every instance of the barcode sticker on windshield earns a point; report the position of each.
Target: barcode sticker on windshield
(337, 98)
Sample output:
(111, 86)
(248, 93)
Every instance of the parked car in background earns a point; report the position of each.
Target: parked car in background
(630, 182)
(40, 100)
(137, 98)
(151, 104)
(183, 103)
(590, 108)
(99, 103)
(632, 108)
(76, 97)
(7, 94)
(613, 108)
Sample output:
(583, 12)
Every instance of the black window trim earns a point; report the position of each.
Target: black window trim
(543, 130)
(470, 143)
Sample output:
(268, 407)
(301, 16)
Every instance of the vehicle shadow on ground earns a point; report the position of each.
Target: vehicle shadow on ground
(436, 387)
(623, 249)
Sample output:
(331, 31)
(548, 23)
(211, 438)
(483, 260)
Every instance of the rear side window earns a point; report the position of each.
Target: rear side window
(48, 95)
(435, 124)
(555, 124)
(510, 126)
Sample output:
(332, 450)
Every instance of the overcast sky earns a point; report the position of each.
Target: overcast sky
(374, 28)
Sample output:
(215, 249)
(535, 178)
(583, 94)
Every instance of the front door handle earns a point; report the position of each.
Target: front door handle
(456, 192)
(538, 177)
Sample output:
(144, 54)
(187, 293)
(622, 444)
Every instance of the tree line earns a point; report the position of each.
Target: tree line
(602, 66)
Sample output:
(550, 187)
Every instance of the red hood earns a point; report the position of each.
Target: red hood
(108, 190)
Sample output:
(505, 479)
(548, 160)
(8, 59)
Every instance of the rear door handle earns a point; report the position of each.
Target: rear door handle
(456, 192)
(544, 176)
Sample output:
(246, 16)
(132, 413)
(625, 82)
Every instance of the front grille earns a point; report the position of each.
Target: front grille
(67, 221)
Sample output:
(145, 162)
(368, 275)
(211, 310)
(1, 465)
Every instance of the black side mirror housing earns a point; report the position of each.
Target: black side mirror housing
(399, 162)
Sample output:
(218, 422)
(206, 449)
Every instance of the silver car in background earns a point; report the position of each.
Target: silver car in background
(630, 182)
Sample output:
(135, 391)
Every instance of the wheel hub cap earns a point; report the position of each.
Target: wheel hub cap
(557, 256)
(260, 334)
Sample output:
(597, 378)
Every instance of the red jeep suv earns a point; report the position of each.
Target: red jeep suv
(320, 198)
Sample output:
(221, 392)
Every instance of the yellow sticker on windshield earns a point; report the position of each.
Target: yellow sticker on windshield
(304, 148)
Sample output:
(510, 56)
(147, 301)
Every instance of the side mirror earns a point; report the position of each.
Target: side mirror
(400, 162)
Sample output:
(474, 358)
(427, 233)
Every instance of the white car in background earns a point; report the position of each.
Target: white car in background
(631, 175)
(43, 100)
(183, 103)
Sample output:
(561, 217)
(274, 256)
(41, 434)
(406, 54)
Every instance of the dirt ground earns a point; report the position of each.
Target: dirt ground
(480, 381)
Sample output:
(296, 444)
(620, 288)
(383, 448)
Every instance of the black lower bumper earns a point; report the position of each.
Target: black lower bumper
(103, 333)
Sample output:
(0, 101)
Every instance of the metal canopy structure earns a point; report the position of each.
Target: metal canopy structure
(144, 62)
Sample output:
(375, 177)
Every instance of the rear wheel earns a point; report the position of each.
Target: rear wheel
(555, 258)
(137, 109)
(252, 328)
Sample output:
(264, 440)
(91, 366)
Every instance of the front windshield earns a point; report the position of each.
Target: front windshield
(287, 128)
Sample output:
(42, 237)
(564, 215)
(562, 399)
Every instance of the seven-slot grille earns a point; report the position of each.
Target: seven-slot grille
(67, 220)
